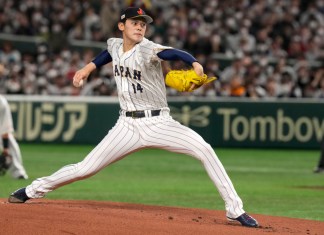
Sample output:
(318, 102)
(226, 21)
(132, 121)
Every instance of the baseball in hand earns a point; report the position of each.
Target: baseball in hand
(80, 84)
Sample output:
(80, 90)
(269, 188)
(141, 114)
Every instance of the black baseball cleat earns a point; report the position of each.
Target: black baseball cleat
(21, 177)
(319, 170)
(18, 196)
(245, 220)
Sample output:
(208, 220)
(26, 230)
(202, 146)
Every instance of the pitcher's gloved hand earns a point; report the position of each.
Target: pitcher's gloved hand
(183, 80)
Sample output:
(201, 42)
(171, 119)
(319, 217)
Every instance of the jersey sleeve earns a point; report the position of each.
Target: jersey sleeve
(113, 43)
(175, 54)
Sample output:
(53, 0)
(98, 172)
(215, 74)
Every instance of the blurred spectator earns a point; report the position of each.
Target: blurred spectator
(237, 88)
(296, 48)
(224, 89)
(287, 87)
(14, 84)
(271, 88)
(109, 15)
(98, 87)
(236, 68)
(8, 54)
(59, 86)
(254, 91)
(90, 21)
(275, 47)
(3, 79)
(283, 68)
(314, 49)
(318, 83)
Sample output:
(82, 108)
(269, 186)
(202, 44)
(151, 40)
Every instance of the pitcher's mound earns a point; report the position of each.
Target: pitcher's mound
(98, 217)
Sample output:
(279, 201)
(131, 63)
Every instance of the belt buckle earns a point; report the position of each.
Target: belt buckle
(133, 115)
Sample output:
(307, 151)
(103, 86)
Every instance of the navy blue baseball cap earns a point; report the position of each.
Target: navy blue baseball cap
(135, 12)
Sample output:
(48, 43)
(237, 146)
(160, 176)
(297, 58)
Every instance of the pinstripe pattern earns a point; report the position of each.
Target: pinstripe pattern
(140, 85)
(166, 133)
(130, 135)
(152, 80)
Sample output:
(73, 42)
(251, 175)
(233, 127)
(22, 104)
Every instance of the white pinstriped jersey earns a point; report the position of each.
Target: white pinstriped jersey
(138, 74)
(141, 86)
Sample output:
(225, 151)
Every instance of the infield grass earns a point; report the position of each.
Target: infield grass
(269, 181)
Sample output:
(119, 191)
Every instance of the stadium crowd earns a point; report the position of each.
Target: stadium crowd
(275, 47)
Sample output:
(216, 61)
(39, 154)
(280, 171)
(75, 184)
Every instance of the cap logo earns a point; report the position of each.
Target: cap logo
(140, 11)
(134, 12)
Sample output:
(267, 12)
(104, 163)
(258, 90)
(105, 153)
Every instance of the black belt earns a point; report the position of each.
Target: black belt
(140, 114)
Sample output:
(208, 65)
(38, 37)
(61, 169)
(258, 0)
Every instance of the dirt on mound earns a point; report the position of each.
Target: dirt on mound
(97, 217)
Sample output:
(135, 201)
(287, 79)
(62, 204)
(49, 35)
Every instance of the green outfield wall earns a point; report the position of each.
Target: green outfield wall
(221, 122)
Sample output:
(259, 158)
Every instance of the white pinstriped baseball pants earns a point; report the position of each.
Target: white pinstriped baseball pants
(16, 169)
(129, 135)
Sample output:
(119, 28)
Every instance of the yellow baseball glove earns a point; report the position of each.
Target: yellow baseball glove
(182, 80)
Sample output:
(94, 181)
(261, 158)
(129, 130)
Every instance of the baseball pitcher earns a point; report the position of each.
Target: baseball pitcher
(144, 120)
